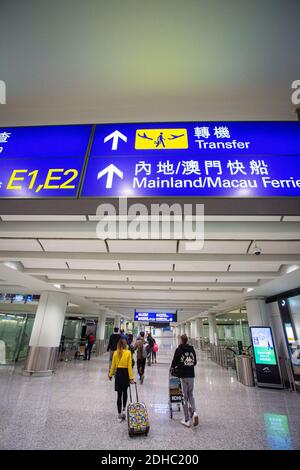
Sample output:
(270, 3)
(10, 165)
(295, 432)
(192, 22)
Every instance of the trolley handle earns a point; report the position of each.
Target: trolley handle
(136, 392)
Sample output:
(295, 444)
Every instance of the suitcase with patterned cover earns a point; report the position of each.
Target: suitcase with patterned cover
(137, 415)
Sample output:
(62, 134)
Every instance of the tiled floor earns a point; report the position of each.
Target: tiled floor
(76, 409)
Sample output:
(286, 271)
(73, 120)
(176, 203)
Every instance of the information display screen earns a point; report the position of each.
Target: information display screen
(155, 317)
(267, 370)
(263, 346)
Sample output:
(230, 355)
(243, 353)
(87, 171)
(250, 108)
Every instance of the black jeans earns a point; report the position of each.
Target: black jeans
(122, 396)
(141, 366)
(88, 350)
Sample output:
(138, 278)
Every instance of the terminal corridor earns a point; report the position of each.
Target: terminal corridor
(76, 409)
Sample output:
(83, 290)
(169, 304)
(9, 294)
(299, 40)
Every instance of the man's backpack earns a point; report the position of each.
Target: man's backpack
(146, 350)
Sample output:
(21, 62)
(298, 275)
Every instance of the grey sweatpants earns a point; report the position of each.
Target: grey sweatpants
(187, 384)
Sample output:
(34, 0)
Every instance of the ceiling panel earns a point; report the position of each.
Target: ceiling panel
(146, 266)
(242, 218)
(200, 266)
(279, 247)
(217, 246)
(149, 278)
(67, 245)
(65, 276)
(44, 218)
(142, 246)
(46, 263)
(90, 264)
(196, 278)
(291, 218)
(254, 266)
(245, 279)
(19, 245)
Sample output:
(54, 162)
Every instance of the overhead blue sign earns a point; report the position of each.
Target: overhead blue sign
(43, 161)
(155, 317)
(219, 177)
(204, 159)
(203, 139)
(235, 159)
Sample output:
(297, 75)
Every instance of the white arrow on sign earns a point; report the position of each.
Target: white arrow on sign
(110, 171)
(115, 136)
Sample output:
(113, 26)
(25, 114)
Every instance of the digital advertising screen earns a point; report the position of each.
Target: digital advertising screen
(263, 346)
(267, 369)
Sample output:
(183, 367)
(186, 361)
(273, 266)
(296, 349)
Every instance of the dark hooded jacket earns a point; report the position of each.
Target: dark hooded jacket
(184, 361)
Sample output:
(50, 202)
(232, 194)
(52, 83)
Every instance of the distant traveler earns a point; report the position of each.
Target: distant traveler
(113, 343)
(183, 365)
(124, 336)
(122, 369)
(89, 346)
(131, 347)
(151, 342)
(142, 349)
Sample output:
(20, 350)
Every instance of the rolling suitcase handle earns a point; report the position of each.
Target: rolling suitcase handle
(136, 392)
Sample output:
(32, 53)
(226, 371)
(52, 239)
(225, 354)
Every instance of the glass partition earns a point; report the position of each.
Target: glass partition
(15, 331)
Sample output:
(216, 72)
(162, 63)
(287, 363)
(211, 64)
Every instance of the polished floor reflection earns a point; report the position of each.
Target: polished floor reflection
(76, 409)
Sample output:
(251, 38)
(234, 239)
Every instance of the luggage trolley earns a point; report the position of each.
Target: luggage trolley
(175, 393)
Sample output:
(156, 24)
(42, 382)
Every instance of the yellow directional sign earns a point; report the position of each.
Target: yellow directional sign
(152, 139)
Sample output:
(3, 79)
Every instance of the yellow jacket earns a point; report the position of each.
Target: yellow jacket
(124, 363)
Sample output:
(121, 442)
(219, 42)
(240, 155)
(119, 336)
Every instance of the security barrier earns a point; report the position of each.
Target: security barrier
(75, 349)
(287, 376)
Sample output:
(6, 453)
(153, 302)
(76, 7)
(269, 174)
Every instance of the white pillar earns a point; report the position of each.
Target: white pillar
(117, 321)
(257, 311)
(188, 329)
(212, 329)
(199, 328)
(100, 333)
(46, 332)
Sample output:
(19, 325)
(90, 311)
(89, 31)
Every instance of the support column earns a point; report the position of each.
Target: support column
(188, 329)
(257, 311)
(117, 321)
(100, 333)
(192, 329)
(199, 328)
(212, 329)
(46, 333)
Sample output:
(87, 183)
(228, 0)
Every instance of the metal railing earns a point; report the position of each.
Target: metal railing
(75, 349)
(287, 376)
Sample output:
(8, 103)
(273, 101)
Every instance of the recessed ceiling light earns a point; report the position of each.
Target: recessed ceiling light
(249, 289)
(292, 268)
(58, 286)
(11, 265)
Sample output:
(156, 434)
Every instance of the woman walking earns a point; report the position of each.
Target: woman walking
(122, 369)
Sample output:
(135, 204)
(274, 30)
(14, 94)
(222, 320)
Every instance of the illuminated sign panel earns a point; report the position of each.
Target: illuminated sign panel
(198, 159)
(42, 161)
(155, 317)
(205, 159)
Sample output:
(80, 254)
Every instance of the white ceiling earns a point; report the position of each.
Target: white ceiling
(122, 275)
(71, 61)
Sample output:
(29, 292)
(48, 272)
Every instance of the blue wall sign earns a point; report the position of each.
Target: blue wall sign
(155, 317)
(44, 161)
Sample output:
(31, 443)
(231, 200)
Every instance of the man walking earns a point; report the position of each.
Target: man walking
(112, 344)
(183, 365)
(89, 347)
(141, 355)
